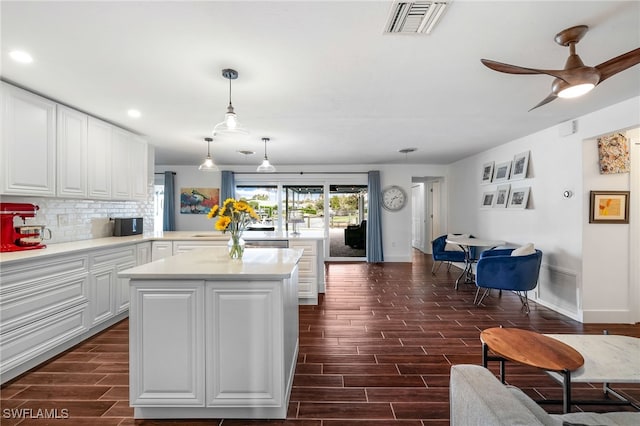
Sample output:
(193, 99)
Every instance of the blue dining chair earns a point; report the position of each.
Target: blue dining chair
(497, 269)
(441, 255)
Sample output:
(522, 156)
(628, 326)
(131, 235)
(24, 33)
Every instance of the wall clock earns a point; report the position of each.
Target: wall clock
(394, 198)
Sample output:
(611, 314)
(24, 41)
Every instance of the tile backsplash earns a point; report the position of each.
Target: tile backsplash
(77, 219)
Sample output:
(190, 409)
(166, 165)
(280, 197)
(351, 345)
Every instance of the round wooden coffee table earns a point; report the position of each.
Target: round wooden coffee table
(532, 349)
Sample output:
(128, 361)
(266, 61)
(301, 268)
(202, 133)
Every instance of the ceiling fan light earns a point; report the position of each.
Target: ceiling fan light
(576, 90)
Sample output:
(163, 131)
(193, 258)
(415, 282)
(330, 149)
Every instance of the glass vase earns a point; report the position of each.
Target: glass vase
(236, 247)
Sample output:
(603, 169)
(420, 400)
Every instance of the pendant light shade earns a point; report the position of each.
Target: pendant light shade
(208, 165)
(265, 167)
(230, 126)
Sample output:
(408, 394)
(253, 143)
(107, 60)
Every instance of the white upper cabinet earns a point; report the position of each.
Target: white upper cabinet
(50, 150)
(138, 168)
(28, 146)
(99, 159)
(72, 153)
(120, 146)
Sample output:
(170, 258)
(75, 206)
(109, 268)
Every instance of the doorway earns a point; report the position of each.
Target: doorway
(426, 214)
(348, 209)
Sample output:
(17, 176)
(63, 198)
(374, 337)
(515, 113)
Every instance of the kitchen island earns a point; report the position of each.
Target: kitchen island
(211, 337)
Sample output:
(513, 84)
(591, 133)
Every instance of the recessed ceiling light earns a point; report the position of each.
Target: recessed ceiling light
(134, 113)
(407, 150)
(21, 56)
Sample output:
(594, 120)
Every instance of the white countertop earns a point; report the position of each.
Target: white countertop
(97, 243)
(214, 263)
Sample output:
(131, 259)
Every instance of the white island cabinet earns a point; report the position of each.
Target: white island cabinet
(211, 337)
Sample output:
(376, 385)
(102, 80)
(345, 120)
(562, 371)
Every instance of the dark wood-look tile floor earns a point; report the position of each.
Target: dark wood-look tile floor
(375, 351)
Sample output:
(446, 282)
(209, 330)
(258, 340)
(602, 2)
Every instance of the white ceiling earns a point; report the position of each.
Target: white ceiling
(318, 77)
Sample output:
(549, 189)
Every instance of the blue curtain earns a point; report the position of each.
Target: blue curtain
(169, 214)
(374, 222)
(227, 185)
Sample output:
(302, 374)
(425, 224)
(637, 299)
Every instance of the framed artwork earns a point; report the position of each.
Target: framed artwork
(518, 198)
(502, 196)
(502, 171)
(198, 200)
(520, 165)
(487, 199)
(487, 172)
(609, 207)
(613, 154)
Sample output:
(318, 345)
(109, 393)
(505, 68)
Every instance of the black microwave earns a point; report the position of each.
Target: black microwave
(126, 226)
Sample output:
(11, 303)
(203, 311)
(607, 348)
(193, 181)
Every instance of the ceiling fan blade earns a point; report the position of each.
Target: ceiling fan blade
(515, 69)
(545, 101)
(618, 64)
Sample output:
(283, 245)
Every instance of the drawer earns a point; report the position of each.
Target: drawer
(14, 276)
(308, 246)
(113, 256)
(184, 246)
(306, 288)
(39, 299)
(307, 267)
(25, 343)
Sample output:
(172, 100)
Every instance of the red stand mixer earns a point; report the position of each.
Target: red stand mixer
(17, 238)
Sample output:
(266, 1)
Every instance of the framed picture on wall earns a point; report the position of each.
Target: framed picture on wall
(519, 198)
(502, 171)
(487, 172)
(520, 165)
(488, 199)
(502, 196)
(609, 207)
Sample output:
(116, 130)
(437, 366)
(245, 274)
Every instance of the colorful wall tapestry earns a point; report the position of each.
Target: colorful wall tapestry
(613, 152)
(198, 200)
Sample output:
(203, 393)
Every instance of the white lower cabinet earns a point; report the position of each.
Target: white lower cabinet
(110, 294)
(143, 253)
(42, 304)
(311, 269)
(166, 373)
(161, 249)
(212, 349)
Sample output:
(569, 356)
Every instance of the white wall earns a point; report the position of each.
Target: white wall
(585, 270)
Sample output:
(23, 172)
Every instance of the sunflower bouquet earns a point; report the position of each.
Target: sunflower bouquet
(234, 216)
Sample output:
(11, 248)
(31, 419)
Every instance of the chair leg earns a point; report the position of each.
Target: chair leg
(486, 292)
(524, 299)
(449, 266)
(475, 299)
(433, 267)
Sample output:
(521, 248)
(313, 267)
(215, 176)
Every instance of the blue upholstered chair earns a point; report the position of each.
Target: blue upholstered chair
(441, 255)
(498, 269)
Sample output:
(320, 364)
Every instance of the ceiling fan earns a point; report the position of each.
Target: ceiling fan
(576, 78)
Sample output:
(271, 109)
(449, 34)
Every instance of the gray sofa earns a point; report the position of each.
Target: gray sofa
(477, 397)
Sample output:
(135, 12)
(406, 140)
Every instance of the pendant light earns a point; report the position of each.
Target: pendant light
(265, 167)
(230, 126)
(208, 165)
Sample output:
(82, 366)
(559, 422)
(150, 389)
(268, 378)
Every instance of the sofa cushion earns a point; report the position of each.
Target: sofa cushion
(535, 409)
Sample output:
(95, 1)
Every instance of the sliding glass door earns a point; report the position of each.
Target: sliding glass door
(347, 221)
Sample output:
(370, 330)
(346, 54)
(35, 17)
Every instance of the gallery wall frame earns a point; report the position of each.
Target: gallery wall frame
(609, 207)
(502, 196)
(488, 198)
(502, 170)
(487, 172)
(519, 198)
(520, 166)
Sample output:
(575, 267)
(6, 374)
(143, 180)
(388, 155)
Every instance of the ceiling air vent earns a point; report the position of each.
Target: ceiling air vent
(417, 17)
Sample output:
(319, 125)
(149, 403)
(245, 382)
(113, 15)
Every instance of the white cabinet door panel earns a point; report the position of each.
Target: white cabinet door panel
(167, 345)
(243, 346)
(102, 295)
(28, 146)
(99, 159)
(71, 153)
